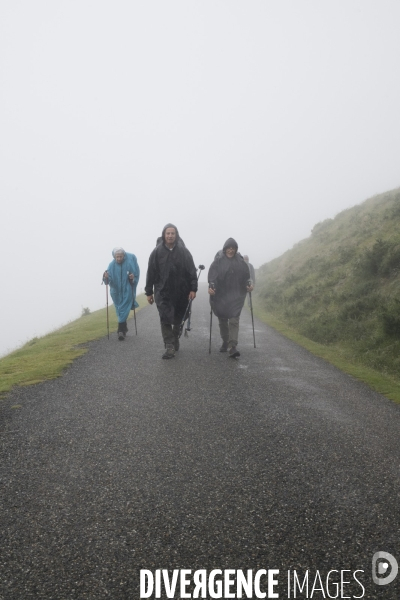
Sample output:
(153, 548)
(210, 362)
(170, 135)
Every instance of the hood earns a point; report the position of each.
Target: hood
(230, 242)
(166, 227)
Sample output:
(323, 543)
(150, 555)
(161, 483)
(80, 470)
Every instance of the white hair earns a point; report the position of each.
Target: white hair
(118, 250)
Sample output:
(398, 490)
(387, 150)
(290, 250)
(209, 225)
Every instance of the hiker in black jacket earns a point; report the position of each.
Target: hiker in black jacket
(171, 282)
(229, 282)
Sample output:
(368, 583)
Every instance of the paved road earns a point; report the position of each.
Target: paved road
(273, 461)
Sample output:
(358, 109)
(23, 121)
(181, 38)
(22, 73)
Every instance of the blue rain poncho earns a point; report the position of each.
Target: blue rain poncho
(123, 293)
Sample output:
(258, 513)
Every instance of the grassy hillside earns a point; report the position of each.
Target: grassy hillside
(340, 288)
(46, 357)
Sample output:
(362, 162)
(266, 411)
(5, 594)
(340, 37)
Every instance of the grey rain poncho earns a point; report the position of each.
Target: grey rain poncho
(230, 277)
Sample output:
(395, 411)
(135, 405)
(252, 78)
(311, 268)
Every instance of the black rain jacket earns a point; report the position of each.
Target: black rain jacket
(172, 274)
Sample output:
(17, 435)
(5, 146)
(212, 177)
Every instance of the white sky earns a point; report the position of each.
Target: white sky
(253, 119)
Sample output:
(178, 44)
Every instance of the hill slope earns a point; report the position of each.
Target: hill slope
(46, 357)
(341, 286)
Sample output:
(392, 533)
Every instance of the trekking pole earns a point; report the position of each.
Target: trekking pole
(134, 316)
(252, 320)
(133, 301)
(201, 268)
(188, 328)
(209, 347)
(108, 325)
(188, 311)
(189, 314)
(212, 286)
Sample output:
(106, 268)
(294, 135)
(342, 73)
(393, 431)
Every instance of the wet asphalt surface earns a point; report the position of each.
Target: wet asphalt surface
(275, 460)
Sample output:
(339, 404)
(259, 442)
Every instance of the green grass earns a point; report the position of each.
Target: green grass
(48, 356)
(337, 355)
(338, 292)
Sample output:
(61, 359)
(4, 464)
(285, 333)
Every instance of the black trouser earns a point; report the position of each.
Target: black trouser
(170, 332)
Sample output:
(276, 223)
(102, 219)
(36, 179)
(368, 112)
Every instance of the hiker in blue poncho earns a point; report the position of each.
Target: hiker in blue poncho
(123, 276)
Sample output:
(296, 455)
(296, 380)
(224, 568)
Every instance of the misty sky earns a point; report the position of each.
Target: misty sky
(252, 119)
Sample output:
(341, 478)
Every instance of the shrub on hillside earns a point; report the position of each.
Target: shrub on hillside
(273, 296)
(371, 261)
(393, 212)
(299, 293)
(359, 289)
(292, 278)
(390, 264)
(382, 260)
(321, 227)
(391, 318)
(360, 308)
(346, 254)
(321, 329)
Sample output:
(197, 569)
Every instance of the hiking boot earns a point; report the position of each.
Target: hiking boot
(121, 335)
(224, 347)
(170, 351)
(233, 352)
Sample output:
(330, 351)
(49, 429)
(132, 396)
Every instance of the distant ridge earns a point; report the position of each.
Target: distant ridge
(341, 286)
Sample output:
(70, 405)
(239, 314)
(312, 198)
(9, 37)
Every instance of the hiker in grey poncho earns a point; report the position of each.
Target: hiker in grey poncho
(229, 282)
(171, 282)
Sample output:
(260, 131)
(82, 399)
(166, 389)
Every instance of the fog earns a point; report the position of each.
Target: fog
(254, 120)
